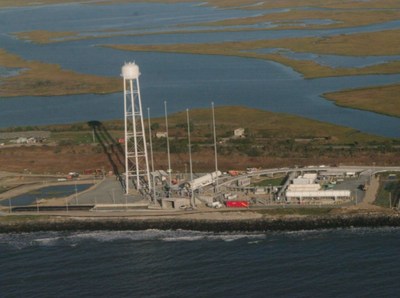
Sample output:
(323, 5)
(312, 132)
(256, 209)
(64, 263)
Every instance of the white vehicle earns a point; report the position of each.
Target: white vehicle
(73, 174)
(215, 205)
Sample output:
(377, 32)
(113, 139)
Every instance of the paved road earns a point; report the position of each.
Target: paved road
(109, 191)
(371, 192)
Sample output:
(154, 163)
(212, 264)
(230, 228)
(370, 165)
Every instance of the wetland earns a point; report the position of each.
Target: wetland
(169, 49)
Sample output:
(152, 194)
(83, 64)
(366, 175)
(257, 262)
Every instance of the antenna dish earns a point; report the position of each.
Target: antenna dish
(130, 71)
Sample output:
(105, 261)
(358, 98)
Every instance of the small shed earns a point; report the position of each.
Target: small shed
(161, 134)
(238, 132)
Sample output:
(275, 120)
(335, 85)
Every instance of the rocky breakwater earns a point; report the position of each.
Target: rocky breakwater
(286, 223)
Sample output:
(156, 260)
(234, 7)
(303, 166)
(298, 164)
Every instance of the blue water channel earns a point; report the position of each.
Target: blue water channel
(49, 192)
(185, 81)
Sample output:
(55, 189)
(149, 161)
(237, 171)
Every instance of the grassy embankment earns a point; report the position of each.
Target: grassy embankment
(3, 189)
(43, 79)
(22, 218)
(273, 140)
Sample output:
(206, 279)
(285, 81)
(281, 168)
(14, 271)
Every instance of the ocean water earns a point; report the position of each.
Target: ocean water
(320, 263)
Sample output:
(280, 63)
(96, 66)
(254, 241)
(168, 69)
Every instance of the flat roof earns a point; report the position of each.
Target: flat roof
(318, 194)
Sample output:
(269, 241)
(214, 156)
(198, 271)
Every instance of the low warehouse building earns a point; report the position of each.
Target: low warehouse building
(305, 188)
(319, 194)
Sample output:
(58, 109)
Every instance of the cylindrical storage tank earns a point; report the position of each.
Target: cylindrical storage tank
(130, 71)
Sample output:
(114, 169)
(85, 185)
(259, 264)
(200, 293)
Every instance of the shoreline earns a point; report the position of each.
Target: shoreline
(205, 224)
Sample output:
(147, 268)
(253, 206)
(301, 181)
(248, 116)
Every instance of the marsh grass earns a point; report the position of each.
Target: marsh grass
(43, 79)
(259, 122)
(361, 44)
(379, 99)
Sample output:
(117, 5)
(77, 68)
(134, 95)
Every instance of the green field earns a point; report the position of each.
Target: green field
(270, 182)
(258, 124)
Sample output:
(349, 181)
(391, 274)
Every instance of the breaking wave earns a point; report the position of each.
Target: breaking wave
(72, 239)
(23, 240)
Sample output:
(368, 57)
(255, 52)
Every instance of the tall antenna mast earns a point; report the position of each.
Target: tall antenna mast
(168, 153)
(136, 160)
(152, 159)
(190, 158)
(215, 148)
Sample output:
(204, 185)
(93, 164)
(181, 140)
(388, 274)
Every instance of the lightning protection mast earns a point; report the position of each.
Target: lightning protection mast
(136, 160)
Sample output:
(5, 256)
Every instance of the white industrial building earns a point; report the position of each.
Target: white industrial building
(306, 179)
(305, 188)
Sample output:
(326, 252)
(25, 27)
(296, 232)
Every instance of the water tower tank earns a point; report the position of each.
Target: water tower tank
(130, 71)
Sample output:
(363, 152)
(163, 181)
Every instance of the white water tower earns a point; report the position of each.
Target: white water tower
(136, 161)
